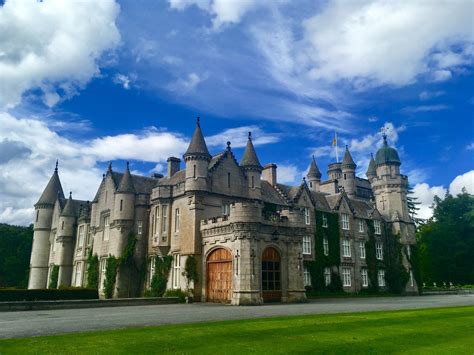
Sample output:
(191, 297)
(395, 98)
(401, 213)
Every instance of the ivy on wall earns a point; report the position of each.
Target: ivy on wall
(332, 260)
(53, 278)
(395, 273)
(371, 259)
(160, 277)
(110, 275)
(92, 270)
(191, 272)
(414, 260)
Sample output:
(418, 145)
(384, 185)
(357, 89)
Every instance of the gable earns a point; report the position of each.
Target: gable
(219, 176)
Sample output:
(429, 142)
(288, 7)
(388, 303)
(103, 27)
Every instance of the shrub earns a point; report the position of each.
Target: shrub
(176, 293)
(110, 276)
(160, 278)
(92, 271)
(64, 293)
(53, 278)
(190, 272)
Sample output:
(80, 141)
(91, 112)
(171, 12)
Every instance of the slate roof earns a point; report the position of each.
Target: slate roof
(371, 168)
(250, 159)
(320, 200)
(348, 162)
(271, 195)
(177, 178)
(126, 183)
(314, 170)
(387, 154)
(50, 193)
(198, 144)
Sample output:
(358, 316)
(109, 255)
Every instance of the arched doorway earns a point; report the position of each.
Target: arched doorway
(219, 276)
(271, 275)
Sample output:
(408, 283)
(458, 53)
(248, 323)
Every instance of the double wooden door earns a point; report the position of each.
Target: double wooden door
(219, 276)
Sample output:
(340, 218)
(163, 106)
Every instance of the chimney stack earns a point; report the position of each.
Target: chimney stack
(173, 166)
(269, 173)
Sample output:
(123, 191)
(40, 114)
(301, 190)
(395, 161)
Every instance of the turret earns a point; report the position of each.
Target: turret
(334, 171)
(252, 169)
(371, 173)
(197, 160)
(124, 207)
(65, 238)
(348, 180)
(42, 228)
(314, 176)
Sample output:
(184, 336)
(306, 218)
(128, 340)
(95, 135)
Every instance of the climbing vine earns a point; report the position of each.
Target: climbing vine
(190, 271)
(53, 278)
(371, 259)
(92, 270)
(415, 265)
(332, 260)
(396, 274)
(110, 276)
(160, 277)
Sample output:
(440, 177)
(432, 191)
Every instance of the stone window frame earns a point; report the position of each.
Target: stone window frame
(379, 250)
(307, 218)
(139, 227)
(361, 226)
(362, 250)
(106, 227)
(176, 271)
(306, 276)
(327, 276)
(381, 277)
(346, 248)
(164, 219)
(377, 227)
(364, 276)
(78, 271)
(346, 277)
(325, 246)
(151, 270)
(345, 221)
(176, 220)
(307, 245)
(325, 220)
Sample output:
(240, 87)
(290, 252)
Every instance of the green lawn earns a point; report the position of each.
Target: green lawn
(440, 330)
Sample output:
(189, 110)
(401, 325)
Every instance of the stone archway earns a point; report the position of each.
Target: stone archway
(271, 275)
(219, 276)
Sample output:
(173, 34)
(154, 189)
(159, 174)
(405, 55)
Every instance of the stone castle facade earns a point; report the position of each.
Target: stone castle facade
(250, 235)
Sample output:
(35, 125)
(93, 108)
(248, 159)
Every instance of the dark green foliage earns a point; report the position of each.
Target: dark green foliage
(413, 207)
(160, 278)
(110, 276)
(92, 271)
(446, 241)
(64, 293)
(176, 293)
(190, 270)
(370, 259)
(127, 255)
(129, 266)
(53, 277)
(396, 275)
(332, 260)
(15, 252)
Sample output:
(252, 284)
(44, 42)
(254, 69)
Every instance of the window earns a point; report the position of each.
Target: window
(253, 181)
(365, 277)
(326, 246)
(103, 266)
(412, 281)
(194, 171)
(62, 225)
(362, 250)
(106, 228)
(325, 221)
(381, 277)
(346, 277)
(361, 226)
(37, 215)
(306, 277)
(139, 227)
(379, 251)
(327, 276)
(176, 270)
(164, 213)
(306, 216)
(409, 251)
(157, 217)
(345, 221)
(80, 236)
(377, 228)
(225, 209)
(121, 205)
(346, 248)
(228, 180)
(152, 270)
(176, 220)
(307, 244)
(78, 277)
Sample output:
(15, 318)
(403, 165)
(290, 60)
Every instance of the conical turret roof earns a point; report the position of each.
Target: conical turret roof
(371, 168)
(313, 171)
(250, 159)
(198, 144)
(68, 210)
(52, 190)
(126, 184)
(348, 162)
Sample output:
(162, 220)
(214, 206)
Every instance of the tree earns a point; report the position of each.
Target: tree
(446, 241)
(15, 251)
(413, 208)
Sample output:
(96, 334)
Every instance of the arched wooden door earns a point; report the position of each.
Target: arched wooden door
(271, 275)
(219, 276)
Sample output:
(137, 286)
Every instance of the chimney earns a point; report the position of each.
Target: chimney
(269, 173)
(173, 166)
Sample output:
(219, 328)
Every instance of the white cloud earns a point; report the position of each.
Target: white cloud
(465, 181)
(53, 46)
(424, 108)
(123, 80)
(428, 95)
(425, 194)
(189, 83)
(289, 174)
(441, 75)
(238, 137)
(385, 42)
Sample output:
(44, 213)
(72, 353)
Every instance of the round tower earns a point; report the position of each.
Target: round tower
(42, 228)
(314, 176)
(252, 169)
(348, 177)
(65, 236)
(197, 160)
(334, 171)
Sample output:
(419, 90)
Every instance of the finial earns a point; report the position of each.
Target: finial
(198, 121)
(70, 194)
(228, 145)
(109, 169)
(128, 164)
(384, 134)
(372, 155)
(250, 135)
(347, 147)
(56, 169)
(103, 176)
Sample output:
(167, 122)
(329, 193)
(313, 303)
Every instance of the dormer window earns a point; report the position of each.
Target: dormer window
(377, 227)
(307, 219)
(345, 221)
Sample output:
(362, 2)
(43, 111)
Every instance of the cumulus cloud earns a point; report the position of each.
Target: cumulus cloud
(464, 181)
(382, 42)
(289, 174)
(238, 137)
(53, 46)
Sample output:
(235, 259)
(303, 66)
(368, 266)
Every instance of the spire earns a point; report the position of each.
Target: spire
(126, 184)
(198, 144)
(371, 168)
(249, 159)
(68, 210)
(314, 170)
(53, 189)
(348, 162)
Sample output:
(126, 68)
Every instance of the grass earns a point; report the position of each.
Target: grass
(438, 330)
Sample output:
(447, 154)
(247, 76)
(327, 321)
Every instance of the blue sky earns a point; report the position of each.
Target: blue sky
(128, 83)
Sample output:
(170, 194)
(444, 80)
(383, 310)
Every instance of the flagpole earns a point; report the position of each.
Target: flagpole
(337, 153)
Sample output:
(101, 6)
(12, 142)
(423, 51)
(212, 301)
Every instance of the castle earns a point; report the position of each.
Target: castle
(251, 237)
